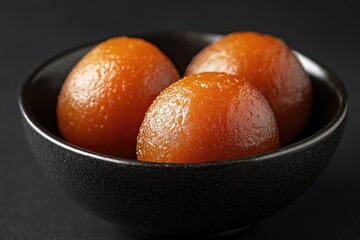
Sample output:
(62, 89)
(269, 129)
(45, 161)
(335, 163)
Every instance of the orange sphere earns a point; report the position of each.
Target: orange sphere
(207, 117)
(104, 98)
(270, 65)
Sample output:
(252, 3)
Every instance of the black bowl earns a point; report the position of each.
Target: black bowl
(181, 199)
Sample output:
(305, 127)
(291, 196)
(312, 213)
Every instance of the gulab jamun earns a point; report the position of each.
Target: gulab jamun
(271, 66)
(207, 117)
(104, 98)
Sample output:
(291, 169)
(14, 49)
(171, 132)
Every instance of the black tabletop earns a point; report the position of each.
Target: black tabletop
(33, 207)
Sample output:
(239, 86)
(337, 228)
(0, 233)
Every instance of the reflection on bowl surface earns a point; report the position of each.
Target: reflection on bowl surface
(181, 199)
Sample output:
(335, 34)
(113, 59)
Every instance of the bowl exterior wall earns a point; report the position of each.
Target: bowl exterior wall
(172, 200)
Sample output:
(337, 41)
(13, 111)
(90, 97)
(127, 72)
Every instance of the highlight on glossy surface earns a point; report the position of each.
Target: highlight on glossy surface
(105, 96)
(270, 65)
(207, 117)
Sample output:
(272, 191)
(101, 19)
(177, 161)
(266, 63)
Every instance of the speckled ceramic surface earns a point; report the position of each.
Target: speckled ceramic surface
(150, 199)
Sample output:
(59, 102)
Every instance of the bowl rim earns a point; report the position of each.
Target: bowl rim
(29, 117)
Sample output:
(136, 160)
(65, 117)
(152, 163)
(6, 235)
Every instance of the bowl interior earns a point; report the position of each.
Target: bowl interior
(39, 95)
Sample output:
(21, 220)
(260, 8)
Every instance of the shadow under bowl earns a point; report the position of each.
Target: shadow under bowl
(150, 199)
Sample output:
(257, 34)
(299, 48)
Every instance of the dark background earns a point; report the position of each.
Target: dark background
(31, 205)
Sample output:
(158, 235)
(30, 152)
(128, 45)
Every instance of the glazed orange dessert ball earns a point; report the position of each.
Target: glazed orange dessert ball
(270, 65)
(105, 97)
(207, 117)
